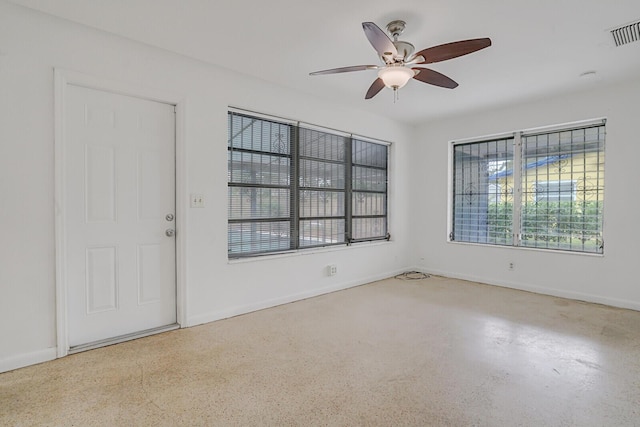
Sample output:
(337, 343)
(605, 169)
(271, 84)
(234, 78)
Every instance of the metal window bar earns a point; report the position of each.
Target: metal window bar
(557, 187)
(483, 192)
(348, 190)
(322, 191)
(369, 191)
(291, 187)
(294, 211)
(259, 185)
(556, 213)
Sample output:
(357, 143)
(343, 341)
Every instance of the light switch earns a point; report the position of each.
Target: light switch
(197, 200)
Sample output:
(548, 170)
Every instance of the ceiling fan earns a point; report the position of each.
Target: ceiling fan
(399, 58)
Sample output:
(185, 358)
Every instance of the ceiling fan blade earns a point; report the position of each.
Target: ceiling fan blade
(345, 69)
(431, 77)
(380, 41)
(451, 50)
(376, 87)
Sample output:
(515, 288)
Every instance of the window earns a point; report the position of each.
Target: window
(293, 186)
(549, 191)
(369, 190)
(322, 192)
(540, 189)
(259, 168)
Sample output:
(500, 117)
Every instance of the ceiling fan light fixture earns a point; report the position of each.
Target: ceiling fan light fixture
(395, 77)
(398, 59)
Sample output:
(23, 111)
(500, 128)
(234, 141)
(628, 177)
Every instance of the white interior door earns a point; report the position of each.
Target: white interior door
(119, 215)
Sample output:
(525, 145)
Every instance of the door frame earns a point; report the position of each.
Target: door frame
(62, 79)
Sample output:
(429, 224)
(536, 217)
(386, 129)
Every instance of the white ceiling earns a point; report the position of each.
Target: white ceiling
(539, 47)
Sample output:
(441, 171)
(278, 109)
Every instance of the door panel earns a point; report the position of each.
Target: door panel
(100, 283)
(100, 184)
(119, 185)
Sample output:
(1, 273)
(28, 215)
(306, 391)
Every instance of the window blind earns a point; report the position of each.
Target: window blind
(293, 187)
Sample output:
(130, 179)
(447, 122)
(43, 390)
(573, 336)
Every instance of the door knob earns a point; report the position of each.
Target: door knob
(170, 232)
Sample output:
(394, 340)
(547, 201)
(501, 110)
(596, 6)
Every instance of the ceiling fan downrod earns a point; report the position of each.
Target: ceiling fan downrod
(399, 60)
(395, 28)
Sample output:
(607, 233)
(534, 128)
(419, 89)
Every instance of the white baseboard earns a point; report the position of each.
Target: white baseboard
(248, 308)
(39, 356)
(26, 359)
(579, 296)
(45, 355)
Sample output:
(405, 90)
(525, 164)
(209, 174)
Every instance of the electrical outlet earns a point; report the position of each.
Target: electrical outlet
(197, 200)
(511, 266)
(332, 269)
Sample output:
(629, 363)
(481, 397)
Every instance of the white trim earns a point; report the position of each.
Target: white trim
(150, 94)
(305, 125)
(62, 79)
(262, 116)
(564, 126)
(60, 83)
(371, 140)
(310, 251)
(182, 201)
(248, 308)
(529, 248)
(317, 128)
(484, 138)
(27, 359)
(532, 131)
(577, 296)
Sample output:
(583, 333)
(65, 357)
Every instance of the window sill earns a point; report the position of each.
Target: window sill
(525, 248)
(305, 252)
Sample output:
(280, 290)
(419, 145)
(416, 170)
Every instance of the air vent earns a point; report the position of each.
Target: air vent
(626, 34)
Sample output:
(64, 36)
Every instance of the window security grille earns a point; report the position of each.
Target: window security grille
(369, 190)
(322, 188)
(541, 190)
(554, 191)
(567, 215)
(292, 187)
(259, 168)
(482, 197)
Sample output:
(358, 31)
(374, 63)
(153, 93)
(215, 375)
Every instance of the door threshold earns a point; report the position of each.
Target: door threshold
(122, 338)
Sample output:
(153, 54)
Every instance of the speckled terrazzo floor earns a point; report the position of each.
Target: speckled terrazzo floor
(435, 351)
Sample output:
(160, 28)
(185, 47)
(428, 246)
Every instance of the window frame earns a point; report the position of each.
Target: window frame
(296, 187)
(516, 215)
(263, 220)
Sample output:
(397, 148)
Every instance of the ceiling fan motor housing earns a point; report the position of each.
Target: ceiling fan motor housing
(405, 50)
(399, 59)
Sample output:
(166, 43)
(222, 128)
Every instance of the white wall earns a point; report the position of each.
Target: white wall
(31, 45)
(611, 279)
